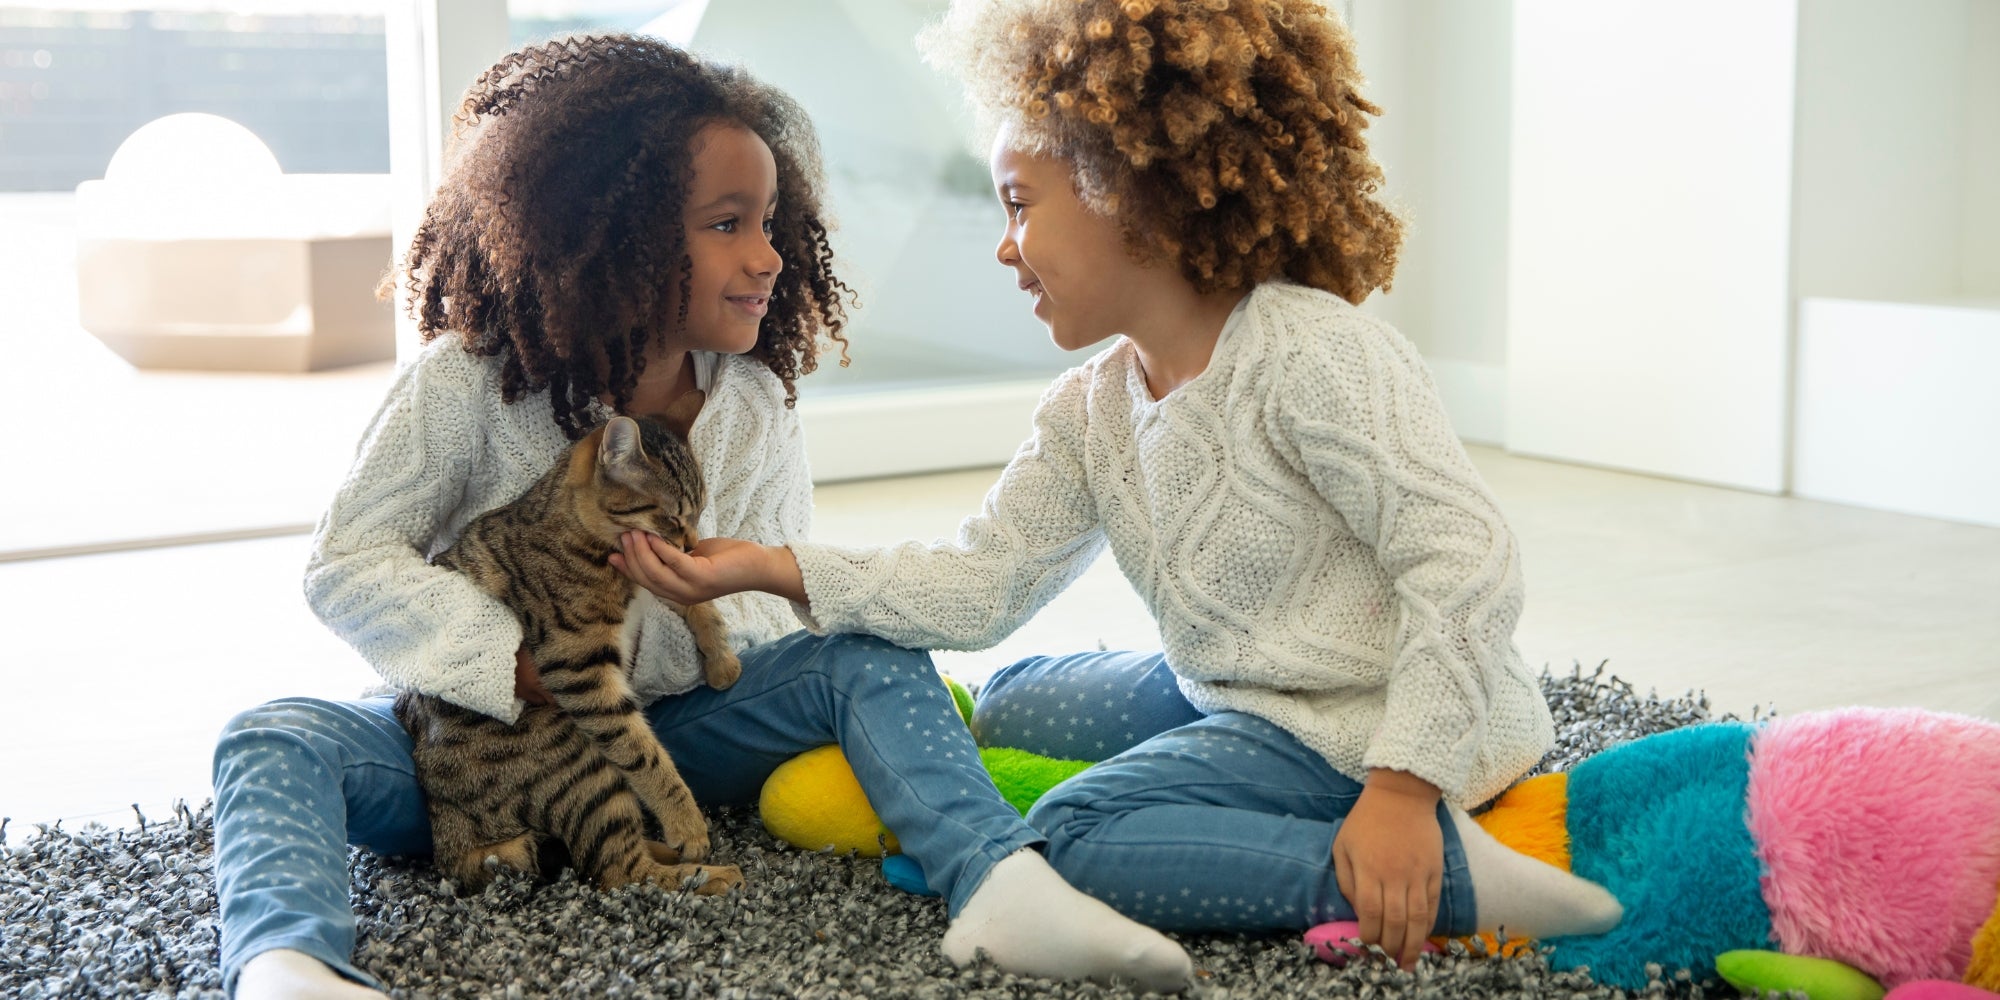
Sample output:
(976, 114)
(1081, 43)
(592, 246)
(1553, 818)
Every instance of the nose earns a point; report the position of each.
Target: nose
(765, 261)
(1007, 252)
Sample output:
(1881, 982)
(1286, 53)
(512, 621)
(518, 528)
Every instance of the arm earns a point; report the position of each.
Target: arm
(1355, 411)
(766, 506)
(1036, 533)
(1380, 450)
(422, 627)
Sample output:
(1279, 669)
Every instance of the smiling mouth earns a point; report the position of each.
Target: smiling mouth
(754, 304)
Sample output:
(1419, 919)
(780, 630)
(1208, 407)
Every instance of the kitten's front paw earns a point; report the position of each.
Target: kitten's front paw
(687, 838)
(720, 879)
(722, 671)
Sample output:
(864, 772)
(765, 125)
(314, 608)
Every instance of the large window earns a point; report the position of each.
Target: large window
(101, 452)
(946, 357)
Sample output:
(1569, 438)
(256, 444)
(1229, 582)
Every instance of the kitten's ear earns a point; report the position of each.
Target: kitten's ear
(680, 416)
(620, 447)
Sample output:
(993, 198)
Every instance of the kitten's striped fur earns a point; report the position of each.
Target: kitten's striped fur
(581, 771)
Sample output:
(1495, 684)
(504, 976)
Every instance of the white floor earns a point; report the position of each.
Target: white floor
(123, 666)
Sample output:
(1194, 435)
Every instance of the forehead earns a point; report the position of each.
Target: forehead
(1012, 164)
(728, 158)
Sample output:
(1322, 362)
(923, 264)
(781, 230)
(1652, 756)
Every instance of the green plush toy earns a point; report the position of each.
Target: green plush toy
(1757, 971)
(814, 802)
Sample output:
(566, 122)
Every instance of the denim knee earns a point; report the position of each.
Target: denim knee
(1065, 815)
(300, 718)
(353, 752)
(850, 660)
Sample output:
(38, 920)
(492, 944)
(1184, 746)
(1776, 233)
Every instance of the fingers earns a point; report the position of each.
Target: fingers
(641, 563)
(666, 552)
(1395, 920)
(1394, 913)
(1367, 901)
(1416, 925)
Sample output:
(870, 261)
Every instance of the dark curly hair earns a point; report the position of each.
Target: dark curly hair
(1223, 134)
(556, 234)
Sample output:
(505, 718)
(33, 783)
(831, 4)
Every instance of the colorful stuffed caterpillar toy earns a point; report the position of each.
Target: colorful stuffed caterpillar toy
(1870, 837)
(1836, 853)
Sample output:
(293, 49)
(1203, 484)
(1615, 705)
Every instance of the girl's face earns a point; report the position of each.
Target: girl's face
(731, 200)
(1072, 260)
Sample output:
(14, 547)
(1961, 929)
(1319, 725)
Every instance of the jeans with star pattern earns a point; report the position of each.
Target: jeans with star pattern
(1190, 822)
(300, 779)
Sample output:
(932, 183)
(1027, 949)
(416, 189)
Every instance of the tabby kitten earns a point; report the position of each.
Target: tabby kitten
(577, 772)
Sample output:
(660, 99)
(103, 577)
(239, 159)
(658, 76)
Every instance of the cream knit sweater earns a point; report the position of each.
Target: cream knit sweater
(1301, 521)
(444, 448)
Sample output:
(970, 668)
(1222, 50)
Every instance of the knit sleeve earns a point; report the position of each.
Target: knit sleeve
(422, 627)
(1035, 534)
(1356, 411)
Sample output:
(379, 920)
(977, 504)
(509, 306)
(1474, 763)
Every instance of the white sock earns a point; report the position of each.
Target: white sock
(285, 974)
(1529, 898)
(1031, 922)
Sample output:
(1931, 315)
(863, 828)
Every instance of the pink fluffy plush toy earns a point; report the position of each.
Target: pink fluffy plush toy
(1839, 853)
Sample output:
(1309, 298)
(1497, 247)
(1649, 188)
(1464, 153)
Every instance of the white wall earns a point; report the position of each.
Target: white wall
(1882, 107)
(1979, 239)
(1649, 286)
(1440, 69)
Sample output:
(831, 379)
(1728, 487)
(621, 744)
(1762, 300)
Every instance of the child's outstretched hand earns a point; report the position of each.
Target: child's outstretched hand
(1389, 861)
(713, 568)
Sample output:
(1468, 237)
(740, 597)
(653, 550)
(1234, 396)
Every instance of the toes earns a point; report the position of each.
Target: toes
(721, 879)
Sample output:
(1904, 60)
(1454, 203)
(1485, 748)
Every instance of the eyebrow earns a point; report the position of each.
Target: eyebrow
(734, 199)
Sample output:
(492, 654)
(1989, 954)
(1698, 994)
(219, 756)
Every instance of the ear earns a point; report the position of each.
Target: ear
(619, 448)
(680, 416)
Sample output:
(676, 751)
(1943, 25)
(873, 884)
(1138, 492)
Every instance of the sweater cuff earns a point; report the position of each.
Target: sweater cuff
(470, 663)
(830, 582)
(486, 685)
(806, 619)
(1428, 730)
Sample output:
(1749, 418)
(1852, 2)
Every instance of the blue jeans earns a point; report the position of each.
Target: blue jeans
(298, 780)
(1191, 822)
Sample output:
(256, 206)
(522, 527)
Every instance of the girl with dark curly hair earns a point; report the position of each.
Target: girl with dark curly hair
(1271, 467)
(622, 225)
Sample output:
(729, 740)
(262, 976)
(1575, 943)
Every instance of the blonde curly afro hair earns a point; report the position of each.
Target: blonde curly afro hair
(1226, 135)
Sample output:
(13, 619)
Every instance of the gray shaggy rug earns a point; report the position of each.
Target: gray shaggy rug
(132, 913)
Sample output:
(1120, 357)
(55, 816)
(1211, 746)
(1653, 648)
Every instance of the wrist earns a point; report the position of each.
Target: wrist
(782, 575)
(1403, 785)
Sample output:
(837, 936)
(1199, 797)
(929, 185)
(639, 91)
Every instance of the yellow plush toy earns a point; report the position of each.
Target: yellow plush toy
(814, 802)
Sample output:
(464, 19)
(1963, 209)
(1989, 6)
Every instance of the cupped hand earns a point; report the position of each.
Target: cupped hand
(713, 568)
(528, 680)
(1389, 861)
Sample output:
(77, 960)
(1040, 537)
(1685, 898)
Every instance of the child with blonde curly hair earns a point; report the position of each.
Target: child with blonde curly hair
(1335, 586)
(624, 226)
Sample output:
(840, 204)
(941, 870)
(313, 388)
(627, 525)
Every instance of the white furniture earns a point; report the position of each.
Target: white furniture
(1896, 406)
(1683, 175)
(195, 251)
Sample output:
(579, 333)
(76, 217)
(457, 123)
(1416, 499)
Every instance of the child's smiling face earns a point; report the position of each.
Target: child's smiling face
(730, 202)
(1071, 259)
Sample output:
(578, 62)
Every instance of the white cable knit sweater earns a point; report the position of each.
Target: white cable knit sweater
(444, 448)
(1299, 518)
